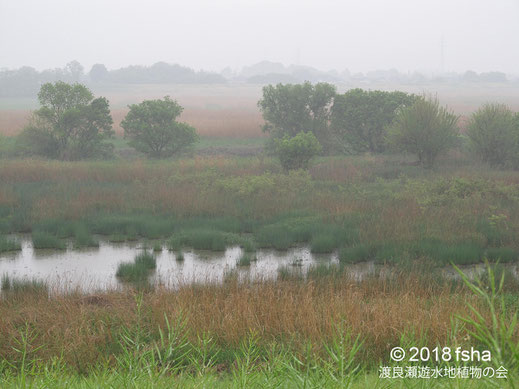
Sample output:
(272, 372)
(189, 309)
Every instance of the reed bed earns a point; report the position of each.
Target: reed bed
(82, 328)
(221, 122)
(386, 210)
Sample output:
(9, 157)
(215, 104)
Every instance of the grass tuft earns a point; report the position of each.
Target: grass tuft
(7, 245)
(138, 270)
(355, 254)
(502, 254)
(245, 260)
(44, 240)
(83, 238)
(25, 285)
(323, 244)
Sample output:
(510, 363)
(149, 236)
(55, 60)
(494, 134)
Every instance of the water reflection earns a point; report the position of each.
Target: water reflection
(94, 269)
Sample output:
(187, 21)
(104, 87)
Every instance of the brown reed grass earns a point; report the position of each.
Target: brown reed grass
(225, 122)
(84, 329)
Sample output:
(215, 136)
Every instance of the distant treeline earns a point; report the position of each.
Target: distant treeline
(27, 81)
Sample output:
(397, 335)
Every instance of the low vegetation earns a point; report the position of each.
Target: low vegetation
(375, 206)
(137, 272)
(44, 240)
(7, 245)
(23, 286)
(322, 326)
(245, 260)
(254, 333)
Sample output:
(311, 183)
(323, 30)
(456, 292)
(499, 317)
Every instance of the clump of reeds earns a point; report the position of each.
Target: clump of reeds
(323, 244)
(502, 254)
(157, 247)
(83, 238)
(248, 245)
(138, 270)
(44, 240)
(7, 245)
(203, 239)
(245, 260)
(117, 238)
(24, 285)
(355, 254)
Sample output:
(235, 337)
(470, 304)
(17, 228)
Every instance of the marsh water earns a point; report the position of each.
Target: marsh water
(93, 269)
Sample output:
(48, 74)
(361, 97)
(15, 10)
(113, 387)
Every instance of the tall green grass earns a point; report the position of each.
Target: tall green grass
(23, 285)
(245, 260)
(44, 240)
(358, 253)
(444, 253)
(203, 239)
(497, 333)
(137, 271)
(323, 236)
(7, 245)
(83, 238)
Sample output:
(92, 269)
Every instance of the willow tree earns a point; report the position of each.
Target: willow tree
(425, 129)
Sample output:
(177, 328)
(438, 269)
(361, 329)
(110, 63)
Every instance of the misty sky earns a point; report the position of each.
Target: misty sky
(363, 35)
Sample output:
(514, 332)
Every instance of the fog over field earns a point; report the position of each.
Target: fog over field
(259, 194)
(408, 35)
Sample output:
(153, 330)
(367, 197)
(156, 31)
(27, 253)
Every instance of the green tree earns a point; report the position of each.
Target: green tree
(297, 151)
(493, 134)
(292, 108)
(359, 118)
(153, 129)
(70, 125)
(425, 129)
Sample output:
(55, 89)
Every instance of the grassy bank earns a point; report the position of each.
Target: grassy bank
(328, 331)
(365, 207)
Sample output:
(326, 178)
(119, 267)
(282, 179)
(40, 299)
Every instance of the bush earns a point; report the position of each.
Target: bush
(359, 118)
(296, 152)
(493, 135)
(152, 128)
(425, 129)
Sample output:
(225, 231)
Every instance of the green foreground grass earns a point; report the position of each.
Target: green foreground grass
(174, 359)
(280, 377)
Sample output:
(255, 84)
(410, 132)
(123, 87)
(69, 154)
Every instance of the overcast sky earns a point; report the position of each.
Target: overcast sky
(360, 35)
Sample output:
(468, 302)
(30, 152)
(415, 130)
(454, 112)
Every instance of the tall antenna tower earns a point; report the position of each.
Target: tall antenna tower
(442, 55)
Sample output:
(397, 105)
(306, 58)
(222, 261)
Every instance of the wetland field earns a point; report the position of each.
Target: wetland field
(218, 268)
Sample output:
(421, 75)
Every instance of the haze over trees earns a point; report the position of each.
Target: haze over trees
(293, 108)
(152, 128)
(26, 81)
(359, 118)
(70, 125)
(493, 132)
(425, 129)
